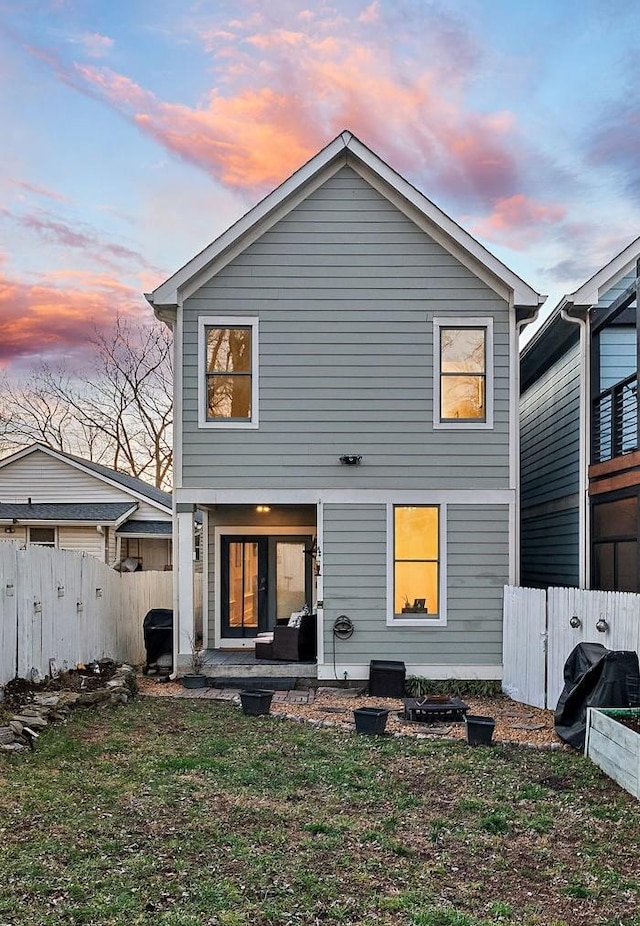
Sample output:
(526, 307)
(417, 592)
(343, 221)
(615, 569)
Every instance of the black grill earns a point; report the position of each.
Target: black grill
(157, 628)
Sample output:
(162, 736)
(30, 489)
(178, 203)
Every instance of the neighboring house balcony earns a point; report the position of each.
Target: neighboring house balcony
(615, 420)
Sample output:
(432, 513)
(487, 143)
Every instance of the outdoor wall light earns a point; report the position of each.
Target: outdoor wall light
(9, 530)
(351, 459)
(602, 625)
(263, 509)
(575, 622)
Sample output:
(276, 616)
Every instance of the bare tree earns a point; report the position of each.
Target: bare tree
(119, 413)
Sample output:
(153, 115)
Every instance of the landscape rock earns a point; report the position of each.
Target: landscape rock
(36, 723)
(6, 736)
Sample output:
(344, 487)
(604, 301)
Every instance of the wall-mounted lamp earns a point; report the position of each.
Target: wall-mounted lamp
(602, 625)
(351, 459)
(263, 509)
(9, 530)
(575, 622)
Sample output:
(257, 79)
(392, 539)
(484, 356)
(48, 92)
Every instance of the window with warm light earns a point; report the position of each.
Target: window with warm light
(416, 561)
(463, 363)
(228, 352)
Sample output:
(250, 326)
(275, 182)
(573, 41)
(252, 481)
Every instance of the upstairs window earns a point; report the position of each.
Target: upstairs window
(463, 370)
(229, 381)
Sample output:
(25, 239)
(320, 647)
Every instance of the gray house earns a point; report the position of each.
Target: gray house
(346, 400)
(580, 466)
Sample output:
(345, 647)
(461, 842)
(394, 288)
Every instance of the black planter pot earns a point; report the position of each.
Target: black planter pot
(371, 720)
(479, 730)
(191, 680)
(256, 701)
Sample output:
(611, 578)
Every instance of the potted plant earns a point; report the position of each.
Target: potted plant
(196, 678)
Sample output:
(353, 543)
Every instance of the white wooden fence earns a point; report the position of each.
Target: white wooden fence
(70, 607)
(538, 635)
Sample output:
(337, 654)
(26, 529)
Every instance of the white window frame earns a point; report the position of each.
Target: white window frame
(226, 321)
(37, 543)
(485, 322)
(429, 620)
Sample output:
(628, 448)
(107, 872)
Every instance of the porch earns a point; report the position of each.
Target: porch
(242, 664)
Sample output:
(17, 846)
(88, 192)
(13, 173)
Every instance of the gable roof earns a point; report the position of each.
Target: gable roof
(590, 292)
(345, 149)
(134, 486)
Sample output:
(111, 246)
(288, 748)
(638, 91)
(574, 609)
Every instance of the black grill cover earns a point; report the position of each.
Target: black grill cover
(593, 677)
(157, 628)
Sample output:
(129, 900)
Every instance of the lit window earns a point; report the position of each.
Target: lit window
(228, 388)
(229, 373)
(416, 561)
(463, 353)
(43, 536)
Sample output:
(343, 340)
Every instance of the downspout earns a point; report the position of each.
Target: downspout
(579, 315)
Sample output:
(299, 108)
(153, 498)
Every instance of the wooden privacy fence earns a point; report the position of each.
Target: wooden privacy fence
(70, 607)
(541, 627)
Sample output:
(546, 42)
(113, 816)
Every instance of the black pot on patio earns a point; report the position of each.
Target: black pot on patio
(256, 701)
(371, 720)
(194, 680)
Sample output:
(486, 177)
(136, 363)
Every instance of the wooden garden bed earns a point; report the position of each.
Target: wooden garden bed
(613, 745)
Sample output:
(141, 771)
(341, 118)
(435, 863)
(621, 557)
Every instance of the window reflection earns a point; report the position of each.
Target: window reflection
(462, 374)
(229, 373)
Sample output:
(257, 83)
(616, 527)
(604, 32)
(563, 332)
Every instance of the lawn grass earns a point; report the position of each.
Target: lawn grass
(187, 813)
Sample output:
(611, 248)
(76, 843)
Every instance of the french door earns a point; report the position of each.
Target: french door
(262, 579)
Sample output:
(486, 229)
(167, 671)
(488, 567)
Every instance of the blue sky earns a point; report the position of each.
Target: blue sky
(136, 132)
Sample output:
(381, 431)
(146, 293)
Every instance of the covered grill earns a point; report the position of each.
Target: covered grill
(157, 628)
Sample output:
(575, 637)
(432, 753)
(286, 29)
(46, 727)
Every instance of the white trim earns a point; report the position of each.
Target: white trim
(178, 365)
(246, 530)
(204, 558)
(267, 496)
(589, 293)
(360, 670)
(319, 579)
(227, 321)
(584, 449)
(183, 559)
(453, 321)
(201, 265)
(428, 621)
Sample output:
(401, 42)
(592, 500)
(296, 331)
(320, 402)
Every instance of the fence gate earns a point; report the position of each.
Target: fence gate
(541, 627)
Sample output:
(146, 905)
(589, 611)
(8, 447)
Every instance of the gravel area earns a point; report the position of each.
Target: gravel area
(515, 723)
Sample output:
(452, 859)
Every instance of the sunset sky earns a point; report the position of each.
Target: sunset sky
(135, 131)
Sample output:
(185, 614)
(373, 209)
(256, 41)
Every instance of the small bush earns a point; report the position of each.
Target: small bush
(418, 687)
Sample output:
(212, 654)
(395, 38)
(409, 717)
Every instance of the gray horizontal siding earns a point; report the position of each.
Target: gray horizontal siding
(550, 433)
(550, 549)
(354, 576)
(346, 288)
(617, 355)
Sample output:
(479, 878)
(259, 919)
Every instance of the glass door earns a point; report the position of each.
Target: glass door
(244, 600)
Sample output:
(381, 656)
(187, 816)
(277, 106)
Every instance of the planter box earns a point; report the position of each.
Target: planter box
(256, 701)
(613, 747)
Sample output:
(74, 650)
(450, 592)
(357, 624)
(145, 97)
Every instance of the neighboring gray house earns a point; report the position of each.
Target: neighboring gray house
(346, 361)
(580, 463)
(59, 500)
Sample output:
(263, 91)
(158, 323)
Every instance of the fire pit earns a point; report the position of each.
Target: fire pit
(434, 709)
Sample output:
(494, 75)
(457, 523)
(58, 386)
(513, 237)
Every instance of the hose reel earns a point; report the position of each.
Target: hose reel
(343, 627)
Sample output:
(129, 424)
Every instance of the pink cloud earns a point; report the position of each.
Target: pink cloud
(284, 92)
(95, 45)
(41, 319)
(519, 221)
(78, 236)
(38, 190)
